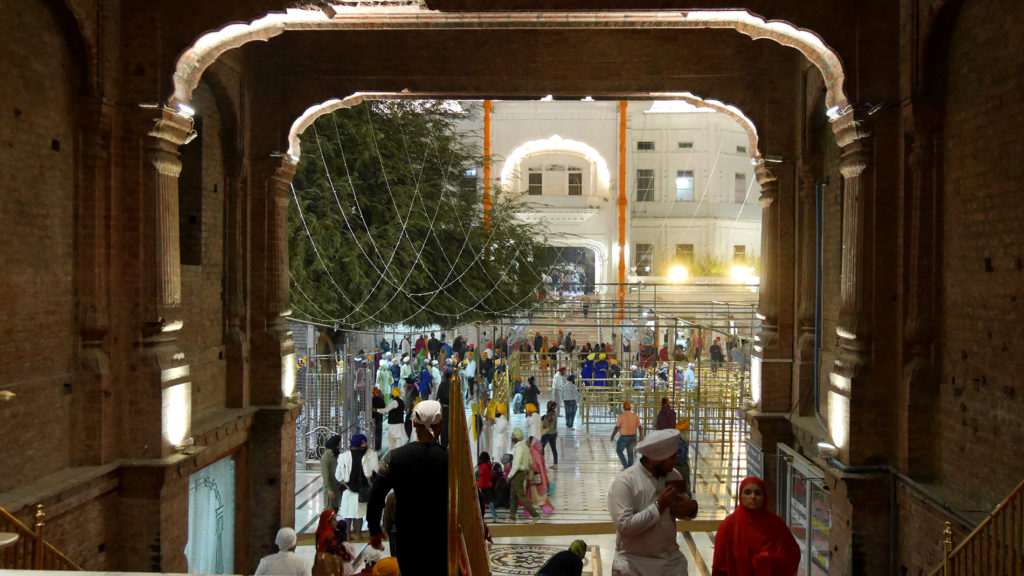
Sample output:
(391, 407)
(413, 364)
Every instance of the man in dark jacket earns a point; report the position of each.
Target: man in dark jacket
(418, 473)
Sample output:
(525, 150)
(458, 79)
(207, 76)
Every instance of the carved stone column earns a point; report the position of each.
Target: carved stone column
(273, 348)
(768, 297)
(853, 359)
(807, 267)
(161, 391)
(918, 454)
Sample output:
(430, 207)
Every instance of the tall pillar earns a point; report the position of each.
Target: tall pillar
(487, 166)
(272, 346)
(236, 338)
(806, 285)
(853, 361)
(623, 202)
(95, 410)
(768, 296)
(160, 390)
(918, 453)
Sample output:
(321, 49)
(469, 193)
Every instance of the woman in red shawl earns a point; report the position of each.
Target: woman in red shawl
(753, 541)
(327, 543)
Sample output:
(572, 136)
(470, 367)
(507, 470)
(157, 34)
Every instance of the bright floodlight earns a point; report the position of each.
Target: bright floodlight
(741, 274)
(678, 274)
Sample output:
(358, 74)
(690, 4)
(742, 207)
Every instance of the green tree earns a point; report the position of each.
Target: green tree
(383, 230)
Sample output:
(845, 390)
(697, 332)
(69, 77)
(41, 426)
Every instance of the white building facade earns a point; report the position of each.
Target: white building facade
(692, 195)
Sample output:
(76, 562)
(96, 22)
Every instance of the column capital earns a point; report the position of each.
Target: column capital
(768, 182)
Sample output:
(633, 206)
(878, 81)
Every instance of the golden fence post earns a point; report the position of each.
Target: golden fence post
(947, 540)
(38, 552)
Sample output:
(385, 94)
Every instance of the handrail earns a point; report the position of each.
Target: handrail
(31, 551)
(994, 547)
(467, 550)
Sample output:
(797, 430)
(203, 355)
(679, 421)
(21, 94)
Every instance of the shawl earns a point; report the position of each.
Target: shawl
(755, 542)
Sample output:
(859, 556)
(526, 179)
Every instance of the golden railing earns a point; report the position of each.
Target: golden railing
(996, 546)
(467, 548)
(30, 551)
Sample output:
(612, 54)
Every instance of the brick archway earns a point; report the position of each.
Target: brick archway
(412, 15)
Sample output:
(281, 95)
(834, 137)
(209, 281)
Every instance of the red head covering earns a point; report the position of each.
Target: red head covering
(324, 532)
(755, 542)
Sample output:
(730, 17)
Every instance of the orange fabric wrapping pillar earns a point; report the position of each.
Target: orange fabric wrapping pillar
(622, 208)
(487, 166)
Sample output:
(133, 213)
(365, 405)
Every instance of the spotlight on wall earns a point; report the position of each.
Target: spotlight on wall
(827, 450)
(833, 113)
(186, 110)
(6, 395)
(678, 274)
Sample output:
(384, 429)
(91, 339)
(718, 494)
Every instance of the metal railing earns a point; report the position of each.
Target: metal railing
(996, 546)
(31, 551)
(337, 390)
(467, 549)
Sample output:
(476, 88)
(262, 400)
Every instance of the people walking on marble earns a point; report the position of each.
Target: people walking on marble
(626, 427)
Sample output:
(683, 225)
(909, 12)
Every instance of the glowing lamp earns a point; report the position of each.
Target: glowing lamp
(678, 274)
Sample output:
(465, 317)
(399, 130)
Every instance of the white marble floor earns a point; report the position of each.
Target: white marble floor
(586, 467)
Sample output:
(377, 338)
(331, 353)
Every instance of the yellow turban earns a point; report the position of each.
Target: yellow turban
(386, 567)
(590, 356)
(603, 356)
(683, 425)
(531, 408)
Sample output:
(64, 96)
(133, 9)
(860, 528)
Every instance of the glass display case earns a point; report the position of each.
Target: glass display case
(805, 505)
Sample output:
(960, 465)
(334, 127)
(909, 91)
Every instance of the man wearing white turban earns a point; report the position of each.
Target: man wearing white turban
(418, 474)
(644, 502)
(285, 562)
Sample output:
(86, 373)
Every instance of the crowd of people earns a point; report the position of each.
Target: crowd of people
(394, 495)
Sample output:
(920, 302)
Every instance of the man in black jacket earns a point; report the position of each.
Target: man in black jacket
(418, 473)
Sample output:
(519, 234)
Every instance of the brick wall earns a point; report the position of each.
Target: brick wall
(36, 223)
(982, 277)
(202, 337)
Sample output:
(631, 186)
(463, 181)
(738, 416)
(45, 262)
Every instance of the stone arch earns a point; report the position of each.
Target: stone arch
(555, 143)
(411, 16)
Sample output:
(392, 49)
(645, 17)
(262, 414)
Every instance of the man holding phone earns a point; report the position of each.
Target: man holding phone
(644, 502)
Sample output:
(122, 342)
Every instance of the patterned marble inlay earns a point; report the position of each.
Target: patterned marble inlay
(526, 559)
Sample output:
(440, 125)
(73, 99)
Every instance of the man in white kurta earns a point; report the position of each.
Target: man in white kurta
(644, 504)
(286, 562)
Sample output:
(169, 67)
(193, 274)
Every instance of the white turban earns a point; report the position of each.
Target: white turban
(383, 363)
(285, 539)
(660, 444)
(427, 413)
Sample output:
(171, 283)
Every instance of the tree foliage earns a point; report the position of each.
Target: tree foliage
(384, 232)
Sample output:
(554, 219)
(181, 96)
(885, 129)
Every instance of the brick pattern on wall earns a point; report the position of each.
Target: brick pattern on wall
(982, 399)
(37, 312)
(202, 337)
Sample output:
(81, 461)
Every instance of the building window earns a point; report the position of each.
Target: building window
(644, 259)
(740, 188)
(684, 256)
(575, 183)
(685, 145)
(739, 255)
(536, 186)
(645, 146)
(684, 186)
(741, 149)
(644, 185)
(469, 180)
